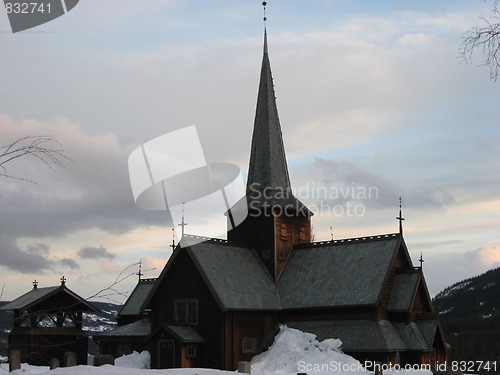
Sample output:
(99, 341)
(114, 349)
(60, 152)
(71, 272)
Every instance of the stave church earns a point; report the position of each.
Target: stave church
(218, 302)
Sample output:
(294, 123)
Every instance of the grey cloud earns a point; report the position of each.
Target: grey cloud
(39, 248)
(90, 252)
(30, 260)
(36, 258)
(442, 271)
(349, 181)
(69, 263)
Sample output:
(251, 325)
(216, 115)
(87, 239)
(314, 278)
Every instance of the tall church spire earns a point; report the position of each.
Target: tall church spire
(276, 219)
(268, 167)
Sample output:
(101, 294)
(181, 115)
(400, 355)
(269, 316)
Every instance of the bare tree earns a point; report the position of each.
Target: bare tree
(43, 147)
(486, 39)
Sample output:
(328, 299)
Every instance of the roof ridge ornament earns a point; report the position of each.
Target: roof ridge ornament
(400, 218)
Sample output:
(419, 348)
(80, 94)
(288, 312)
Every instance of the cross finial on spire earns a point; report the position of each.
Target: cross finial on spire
(140, 270)
(400, 218)
(173, 239)
(63, 280)
(183, 224)
(421, 260)
(35, 284)
(265, 18)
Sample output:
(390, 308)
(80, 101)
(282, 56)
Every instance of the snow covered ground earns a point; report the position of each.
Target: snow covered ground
(292, 352)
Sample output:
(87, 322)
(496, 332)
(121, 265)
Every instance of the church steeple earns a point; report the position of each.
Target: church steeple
(276, 219)
(268, 167)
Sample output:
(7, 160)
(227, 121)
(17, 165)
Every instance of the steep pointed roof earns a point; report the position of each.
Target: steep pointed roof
(268, 167)
(268, 170)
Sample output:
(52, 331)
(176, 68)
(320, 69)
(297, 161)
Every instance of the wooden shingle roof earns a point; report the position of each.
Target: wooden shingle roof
(30, 300)
(337, 273)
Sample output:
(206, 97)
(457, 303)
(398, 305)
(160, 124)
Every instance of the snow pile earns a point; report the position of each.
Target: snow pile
(135, 360)
(25, 369)
(295, 351)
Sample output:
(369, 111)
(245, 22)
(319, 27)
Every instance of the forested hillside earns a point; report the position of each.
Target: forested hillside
(470, 315)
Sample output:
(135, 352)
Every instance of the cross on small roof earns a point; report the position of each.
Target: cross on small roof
(63, 280)
(173, 239)
(183, 224)
(140, 270)
(35, 284)
(400, 218)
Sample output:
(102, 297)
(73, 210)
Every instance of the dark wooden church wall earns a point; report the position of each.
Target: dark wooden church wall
(185, 282)
(259, 326)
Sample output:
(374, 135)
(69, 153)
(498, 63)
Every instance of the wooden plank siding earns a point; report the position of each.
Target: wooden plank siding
(287, 233)
(246, 324)
(185, 282)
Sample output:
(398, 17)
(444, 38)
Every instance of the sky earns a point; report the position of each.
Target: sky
(373, 101)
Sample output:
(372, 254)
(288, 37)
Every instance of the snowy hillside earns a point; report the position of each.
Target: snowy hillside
(475, 297)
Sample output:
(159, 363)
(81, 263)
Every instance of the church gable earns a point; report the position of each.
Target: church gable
(422, 302)
(233, 275)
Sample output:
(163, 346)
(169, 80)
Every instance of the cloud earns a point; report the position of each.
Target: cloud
(92, 191)
(443, 270)
(335, 182)
(39, 248)
(22, 260)
(90, 252)
(35, 258)
(489, 256)
(152, 264)
(69, 263)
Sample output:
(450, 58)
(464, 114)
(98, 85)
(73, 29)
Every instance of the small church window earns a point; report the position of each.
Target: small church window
(192, 351)
(186, 311)
(302, 234)
(284, 232)
(249, 345)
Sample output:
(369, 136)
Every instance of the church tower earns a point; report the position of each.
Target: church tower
(276, 219)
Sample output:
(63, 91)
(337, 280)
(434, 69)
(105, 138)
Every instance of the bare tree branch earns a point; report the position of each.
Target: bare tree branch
(43, 147)
(486, 39)
(111, 291)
